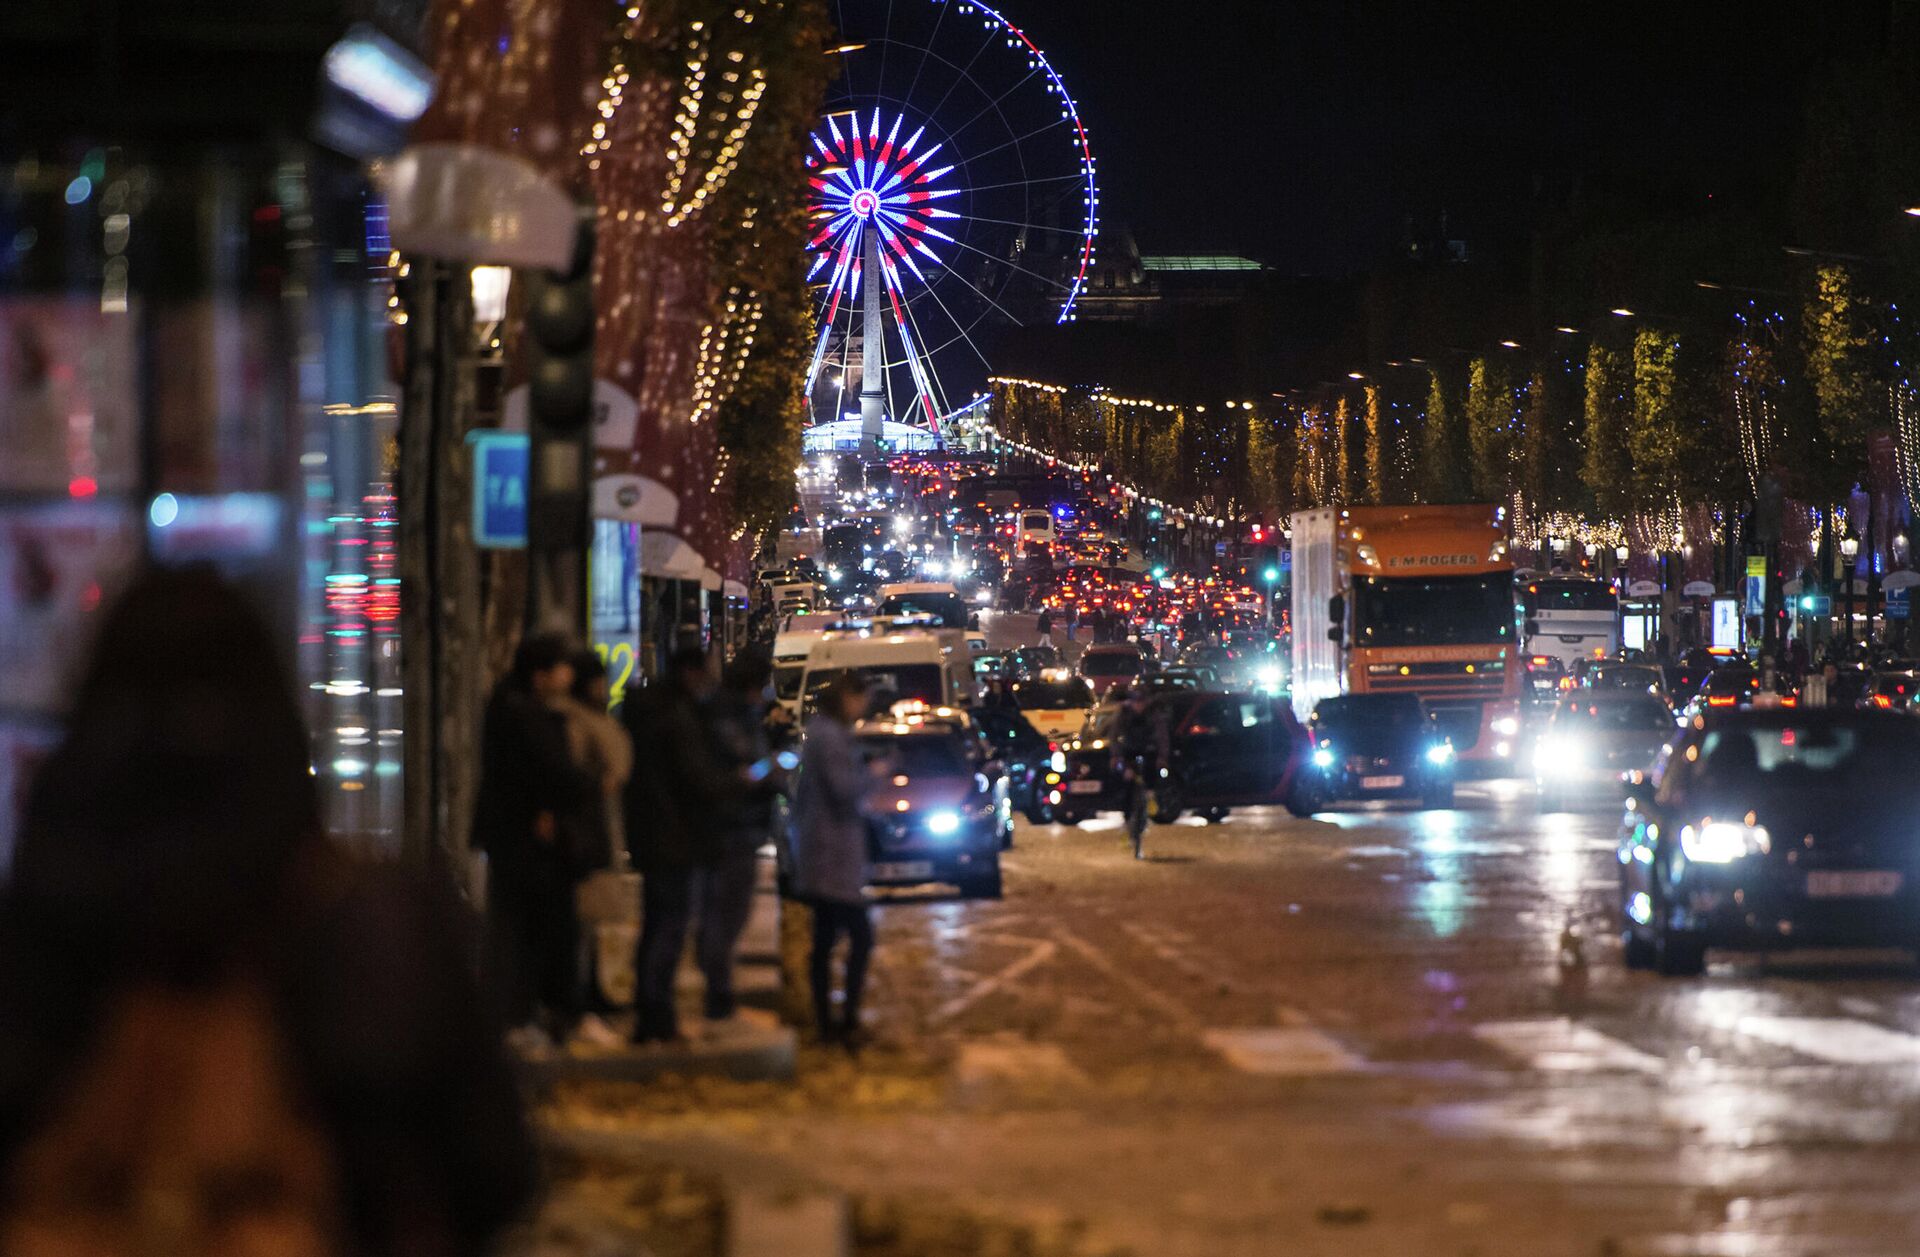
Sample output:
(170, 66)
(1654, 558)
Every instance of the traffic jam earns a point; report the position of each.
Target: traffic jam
(1035, 644)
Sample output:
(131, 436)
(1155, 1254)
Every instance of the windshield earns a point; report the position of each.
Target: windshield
(1827, 757)
(1650, 717)
(1433, 611)
(1579, 595)
(786, 681)
(921, 756)
(947, 609)
(1390, 711)
(894, 682)
(1625, 679)
(1052, 695)
(1111, 663)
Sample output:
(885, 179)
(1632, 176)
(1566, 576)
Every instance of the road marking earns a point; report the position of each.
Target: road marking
(1041, 951)
(1028, 1064)
(1842, 1040)
(1169, 1008)
(1562, 1046)
(1278, 1051)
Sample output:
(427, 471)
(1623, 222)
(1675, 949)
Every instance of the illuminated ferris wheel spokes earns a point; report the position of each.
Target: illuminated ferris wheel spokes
(926, 226)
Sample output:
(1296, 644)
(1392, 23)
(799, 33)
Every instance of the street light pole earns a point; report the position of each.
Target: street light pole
(1849, 551)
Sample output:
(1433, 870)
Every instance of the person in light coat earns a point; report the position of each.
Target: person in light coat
(830, 851)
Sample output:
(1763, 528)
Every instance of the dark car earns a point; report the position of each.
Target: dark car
(1891, 691)
(1762, 829)
(1379, 746)
(1734, 685)
(939, 815)
(1090, 783)
(1027, 759)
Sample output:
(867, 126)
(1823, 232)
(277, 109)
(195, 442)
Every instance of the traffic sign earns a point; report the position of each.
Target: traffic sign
(1899, 606)
(499, 489)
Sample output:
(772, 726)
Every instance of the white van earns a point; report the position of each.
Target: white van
(794, 595)
(910, 665)
(1036, 528)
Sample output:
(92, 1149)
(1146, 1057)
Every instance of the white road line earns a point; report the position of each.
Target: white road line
(1278, 1051)
(1842, 1040)
(1169, 1008)
(1560, 1045)
(1041, 952)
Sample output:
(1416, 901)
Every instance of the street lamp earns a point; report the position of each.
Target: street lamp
(1849, 550)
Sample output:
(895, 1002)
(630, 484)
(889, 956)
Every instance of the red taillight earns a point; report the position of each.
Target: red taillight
(1881, 700)
(1200, 730)
(1790, 700)
(1720, 701)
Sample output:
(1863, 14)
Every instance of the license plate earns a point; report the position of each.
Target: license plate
(904, 871)
(1876, 884)
(1083, 787)
(1382, 783)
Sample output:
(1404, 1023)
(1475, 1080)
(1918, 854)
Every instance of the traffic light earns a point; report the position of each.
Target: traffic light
(1272, 574)
(560, 318)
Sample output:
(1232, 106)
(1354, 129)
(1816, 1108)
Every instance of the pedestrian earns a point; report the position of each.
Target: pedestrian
(1797, 660)
(533, 818)
(1044, 626)
(600, 748)
(677, 785)
(723, 890)
(830, 853)
(218, 1033)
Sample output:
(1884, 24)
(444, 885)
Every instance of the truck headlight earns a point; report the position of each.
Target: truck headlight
(1722, 842)
(1506, 726)
(1441, 753)
(1323, 757)
(943, 823)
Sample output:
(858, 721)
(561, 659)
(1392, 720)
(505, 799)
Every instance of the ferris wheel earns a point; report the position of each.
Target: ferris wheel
(953, 194)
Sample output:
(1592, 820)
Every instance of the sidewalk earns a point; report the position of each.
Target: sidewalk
(757, 1048)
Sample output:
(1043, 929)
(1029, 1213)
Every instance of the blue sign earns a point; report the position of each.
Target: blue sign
(1756, 596)
(499, 489)
(1899, 606)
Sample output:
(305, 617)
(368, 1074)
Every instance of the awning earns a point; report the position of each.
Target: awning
(710, 579)
(636, 500)
(476, 205)
(667, 557)
(1902, 579)
(735, 589)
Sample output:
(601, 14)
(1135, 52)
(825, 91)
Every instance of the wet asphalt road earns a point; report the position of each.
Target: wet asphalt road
(1384, 1030)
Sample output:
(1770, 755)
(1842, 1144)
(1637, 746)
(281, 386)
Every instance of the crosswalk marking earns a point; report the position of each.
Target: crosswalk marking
(1281, 1050)
(1560, 1045)
(1842, 1040)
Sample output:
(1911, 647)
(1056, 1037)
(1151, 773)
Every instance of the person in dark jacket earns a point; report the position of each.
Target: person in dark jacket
(534, 801)
(672, 801)
(830, 851)
(723, 890)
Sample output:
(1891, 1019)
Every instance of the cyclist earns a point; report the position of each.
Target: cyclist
(1140, 752)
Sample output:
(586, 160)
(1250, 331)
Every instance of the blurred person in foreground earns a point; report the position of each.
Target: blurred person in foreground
(830, 852)
(535, 817)
(723, 890)
(217, 1035)
(673, 803)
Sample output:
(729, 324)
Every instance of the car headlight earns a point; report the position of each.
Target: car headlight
(1323, 757)
(943, 823)
(1440, 753)
(1058, 762)
(1721, 842)
(983, 596)
(933, 567)
(1506, 726)
(1561, 751)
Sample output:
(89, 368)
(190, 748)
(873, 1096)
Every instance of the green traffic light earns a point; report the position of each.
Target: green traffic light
(1272, 575)
(1806, 603)
(1159, 573)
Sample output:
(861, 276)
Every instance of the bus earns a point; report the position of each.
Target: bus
(1569, 618)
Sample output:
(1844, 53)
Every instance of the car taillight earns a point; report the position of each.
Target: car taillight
(1881, 700)
(1200, 730)
(1720, 701)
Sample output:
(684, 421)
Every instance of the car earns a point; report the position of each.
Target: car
(1761, 829)
(1229, 750)
(1891, 691)
(1171, 679)
(1089, 783)
(938, 815)
(1056, 704)
(1734, 685)
(1627, 676)
(1593, 739)
(1545, 674)
(1033, 660)
(1027, 759)
(1110, 667)
(1379, 746)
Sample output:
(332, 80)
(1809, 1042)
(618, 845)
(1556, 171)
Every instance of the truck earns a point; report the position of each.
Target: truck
(1412, 600)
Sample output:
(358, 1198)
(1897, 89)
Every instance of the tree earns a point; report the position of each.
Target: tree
(1493, 428)
(1608, 469)
(1847, 406)
(1444, 474)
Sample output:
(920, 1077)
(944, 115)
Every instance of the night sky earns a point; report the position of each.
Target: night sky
(1304, 132)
